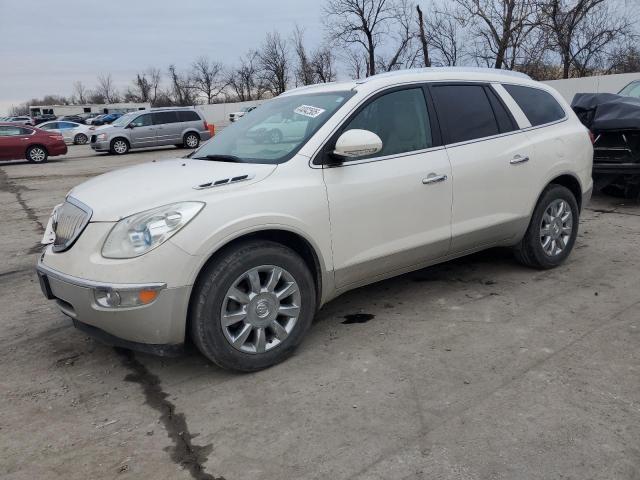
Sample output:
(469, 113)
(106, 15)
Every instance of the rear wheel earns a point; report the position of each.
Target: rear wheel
(80, 139)
(191, 140)
(252, 306)
(37, 154)
(119, 146)
(552, 231)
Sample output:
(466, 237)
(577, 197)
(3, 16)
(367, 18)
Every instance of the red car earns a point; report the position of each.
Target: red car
(23, 141)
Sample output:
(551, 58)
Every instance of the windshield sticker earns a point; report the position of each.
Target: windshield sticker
(309, 111)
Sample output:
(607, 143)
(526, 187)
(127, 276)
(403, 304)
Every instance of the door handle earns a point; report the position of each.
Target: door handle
(433, 178)
(517, 159)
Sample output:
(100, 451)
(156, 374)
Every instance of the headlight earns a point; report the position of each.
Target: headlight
(101, 136)
(136, 235)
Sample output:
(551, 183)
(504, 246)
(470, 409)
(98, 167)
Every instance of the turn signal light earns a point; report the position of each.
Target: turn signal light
(147, 296)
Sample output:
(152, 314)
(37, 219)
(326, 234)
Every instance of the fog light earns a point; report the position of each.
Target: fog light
(113, 298)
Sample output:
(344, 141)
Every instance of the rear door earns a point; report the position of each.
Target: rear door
(67, 129)
(168, 128)
(143, 133)
(493, 179)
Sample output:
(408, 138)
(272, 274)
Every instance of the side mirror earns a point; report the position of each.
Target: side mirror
(357, 143)
(131, 125)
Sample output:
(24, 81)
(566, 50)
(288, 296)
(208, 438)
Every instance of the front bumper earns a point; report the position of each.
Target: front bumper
(102, 146)
(158, 327)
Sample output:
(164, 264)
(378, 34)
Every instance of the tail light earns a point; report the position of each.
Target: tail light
(206, 125)
(56, 137)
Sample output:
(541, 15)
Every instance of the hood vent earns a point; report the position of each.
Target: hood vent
(224, 181)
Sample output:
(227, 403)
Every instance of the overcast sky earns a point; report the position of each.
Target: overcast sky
(48, 45)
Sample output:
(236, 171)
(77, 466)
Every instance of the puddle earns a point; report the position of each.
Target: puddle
(358, 318)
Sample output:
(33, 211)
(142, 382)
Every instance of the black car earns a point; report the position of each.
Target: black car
(614, 121)
(46, 117)
(74, 118)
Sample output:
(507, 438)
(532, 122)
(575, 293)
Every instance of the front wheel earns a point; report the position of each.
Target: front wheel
(119, 146)
(552, 231)
(252, 306)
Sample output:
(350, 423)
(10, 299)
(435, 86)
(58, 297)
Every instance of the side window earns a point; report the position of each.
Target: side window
(165, 117)
(506, 123)
(400, 119)
(8, 131)
(142, 121)
(25, 131)
(188, 116)
(539, 106)
(465, 112)
(65, 125)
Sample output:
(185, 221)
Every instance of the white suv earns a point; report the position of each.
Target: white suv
(238, 246)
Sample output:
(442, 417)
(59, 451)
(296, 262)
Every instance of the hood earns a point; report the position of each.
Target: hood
(126, 191)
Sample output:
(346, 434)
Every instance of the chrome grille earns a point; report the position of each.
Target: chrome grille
(69, 222)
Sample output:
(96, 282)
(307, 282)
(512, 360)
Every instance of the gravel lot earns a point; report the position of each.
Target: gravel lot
(475, 369)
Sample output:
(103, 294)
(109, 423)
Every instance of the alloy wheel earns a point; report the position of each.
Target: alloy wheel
(120, 146)
(260, 309)
(191, 141)
(556, 227)
(37, 154)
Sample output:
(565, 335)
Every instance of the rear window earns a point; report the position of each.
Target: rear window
(188, 116)
(539, 106)
(465, 112)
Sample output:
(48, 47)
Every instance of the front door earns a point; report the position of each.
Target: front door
(390, 212)
(143, 133)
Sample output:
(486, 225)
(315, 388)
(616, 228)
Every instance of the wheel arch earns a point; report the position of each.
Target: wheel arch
(571, 182)
(294, 240)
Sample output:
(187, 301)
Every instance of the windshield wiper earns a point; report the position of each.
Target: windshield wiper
(221, 158)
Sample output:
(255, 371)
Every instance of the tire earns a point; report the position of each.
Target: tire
(37, 154)
(191, 140)
(80, 139)
(274, 136)
(119, 146)
(212, 298)
(548, 251)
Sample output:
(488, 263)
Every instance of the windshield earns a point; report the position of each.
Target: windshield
(631, 90)
(125, 119)
(275, 131)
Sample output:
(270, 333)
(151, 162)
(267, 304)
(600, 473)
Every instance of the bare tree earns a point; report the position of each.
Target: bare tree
(445, 38)
(402, 26)
(181, 88)
(80, 92)
(357, 63)
(324, 65)
(582, 30)
(624, 59)
(498, 26)
(107, 89)
(274, 64)
(207, 77)
(244, 80)
(359, 24)
(423, 38)
(304, 71)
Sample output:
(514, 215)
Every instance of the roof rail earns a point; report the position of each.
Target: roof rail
(410, 71)
(155, 109)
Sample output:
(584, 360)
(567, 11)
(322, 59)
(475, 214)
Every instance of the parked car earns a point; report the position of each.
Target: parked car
(89, 118)
(238, 246)
(280, 128)
(614, 121)
(74, 118)
(182, 127)
(20, 120)
(47, 117)
(237, 115)
(631, 90)
(34, 144)
(72, 132)
(106, 119)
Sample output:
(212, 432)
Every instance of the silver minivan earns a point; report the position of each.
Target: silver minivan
(182, 127)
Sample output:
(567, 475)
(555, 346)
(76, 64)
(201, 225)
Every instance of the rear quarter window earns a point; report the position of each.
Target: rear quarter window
(539, 106)
(188, 116)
